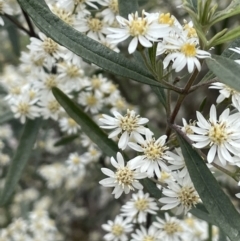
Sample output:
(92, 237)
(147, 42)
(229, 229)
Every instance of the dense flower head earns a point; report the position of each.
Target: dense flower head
(123, 179)
(221, 134)
(139, 206)
(129, 126)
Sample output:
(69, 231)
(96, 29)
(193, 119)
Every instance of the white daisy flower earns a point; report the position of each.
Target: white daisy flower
(171, 228)
(123, 179)
(117, 229)
(111, 10)
(93, 27)
(187, 127)
(138, 207)
(222, 135)
(47, 48)
(182, 52)
(178, 163)
(50, 108)
(143, 234)
(143, 29)
(93, 102)
(76, 163)
(24, 108)
(197, 230)
(227, 92)
(69, 125)
(154, 154)
(180, 195)
(129, 125)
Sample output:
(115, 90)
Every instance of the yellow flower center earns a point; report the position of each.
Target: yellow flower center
(32, 94)
(153, 150)
(67, 17)
(188, 197)
(166, 18)
(129, 122)
(53, 106)
(91, 100)
(190, 222)
(141, 204)
(96, 83)
(218, 133)
(72, 122)
(172, 227)
(75, 160)
(138, 27)
(124, 177)
(117, 230)
(113, 5)
(38, 62)
(50, 46)
(148, 238)
(23, 108)
(189, 50)
(15, 90)
(73, 71)
(164, 176)
(50, 82)
(95, 24)
(192, 33)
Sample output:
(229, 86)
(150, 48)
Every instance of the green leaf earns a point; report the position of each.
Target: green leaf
(66, 140)
(214, 199)
(20, 158)
(126, 7)
(226, 53)
(232, 9)
(151, 188)
(160, 94)
(13, 36)
(230, 35)
(200, 212)
(226, 70)
(90, 128)
(88, 49)
(6, 117)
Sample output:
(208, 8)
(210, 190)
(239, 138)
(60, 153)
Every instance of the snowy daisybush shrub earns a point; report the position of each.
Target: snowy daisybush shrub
(78, 72)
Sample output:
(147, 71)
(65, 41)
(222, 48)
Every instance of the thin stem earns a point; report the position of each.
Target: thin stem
(180, 100)
(200, 153)
(195, 87)
(30, 25)
(210, 232)
(13, 20)
(167, 85)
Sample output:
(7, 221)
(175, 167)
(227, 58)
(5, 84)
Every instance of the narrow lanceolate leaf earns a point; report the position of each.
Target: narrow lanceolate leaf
(200, 213)
(125, 7)
(214, 199)
(66, 140)
(20, 158)
(160, 94)
(83, 46)
(228, 54)
(227, 70)
(151, 188)
(6, 117)
(90, 128)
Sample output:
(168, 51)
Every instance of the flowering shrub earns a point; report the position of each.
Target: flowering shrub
(105, 91)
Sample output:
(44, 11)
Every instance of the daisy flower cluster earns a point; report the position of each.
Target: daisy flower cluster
(179, 44)
(164, 228)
